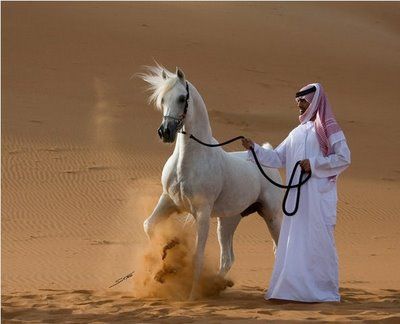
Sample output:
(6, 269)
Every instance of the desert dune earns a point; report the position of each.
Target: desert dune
(81, 159)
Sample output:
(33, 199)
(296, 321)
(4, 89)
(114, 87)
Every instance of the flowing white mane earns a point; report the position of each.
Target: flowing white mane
(157, 84)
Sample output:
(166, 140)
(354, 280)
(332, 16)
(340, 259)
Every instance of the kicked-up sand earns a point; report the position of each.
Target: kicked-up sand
(81, 160)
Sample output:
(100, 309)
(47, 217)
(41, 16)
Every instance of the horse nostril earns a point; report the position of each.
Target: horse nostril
(160, 132)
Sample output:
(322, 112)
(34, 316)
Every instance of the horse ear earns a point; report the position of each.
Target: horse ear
(180, 74)
(164, 75)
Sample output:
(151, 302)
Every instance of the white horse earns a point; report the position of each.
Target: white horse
(206, 181)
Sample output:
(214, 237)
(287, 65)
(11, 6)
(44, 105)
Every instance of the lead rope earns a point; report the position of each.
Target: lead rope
(288, 187)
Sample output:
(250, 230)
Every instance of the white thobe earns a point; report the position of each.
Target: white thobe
(306, 262)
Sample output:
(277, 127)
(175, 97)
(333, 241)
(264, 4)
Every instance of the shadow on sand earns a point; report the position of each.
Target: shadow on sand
(237, 305)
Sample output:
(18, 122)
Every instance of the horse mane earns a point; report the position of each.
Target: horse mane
(157, 84)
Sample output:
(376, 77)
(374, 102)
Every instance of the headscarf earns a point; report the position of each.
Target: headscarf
(308, 97)
(327, 129)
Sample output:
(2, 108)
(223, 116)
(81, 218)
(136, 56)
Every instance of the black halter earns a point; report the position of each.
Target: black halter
(186, 106)
(179, 121)
(187, 100)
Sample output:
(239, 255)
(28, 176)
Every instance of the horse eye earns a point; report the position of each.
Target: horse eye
(162, 100)
(181, 99)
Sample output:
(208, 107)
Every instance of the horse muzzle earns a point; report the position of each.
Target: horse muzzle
(168, 130)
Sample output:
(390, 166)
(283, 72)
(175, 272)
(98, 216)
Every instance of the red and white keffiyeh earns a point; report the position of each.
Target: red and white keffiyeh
(327, 129)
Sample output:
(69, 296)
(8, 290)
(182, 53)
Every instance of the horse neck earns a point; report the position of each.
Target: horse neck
(197, 122)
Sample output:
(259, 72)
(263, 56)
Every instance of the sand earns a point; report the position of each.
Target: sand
(81, 160)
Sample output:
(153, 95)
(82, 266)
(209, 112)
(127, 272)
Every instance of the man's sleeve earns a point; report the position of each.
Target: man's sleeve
(333, 164)
(269, 157)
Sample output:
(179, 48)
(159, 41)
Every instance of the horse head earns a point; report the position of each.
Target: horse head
(171, 95)
(174, 107)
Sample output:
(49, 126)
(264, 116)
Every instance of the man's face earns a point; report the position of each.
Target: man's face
(302, 104)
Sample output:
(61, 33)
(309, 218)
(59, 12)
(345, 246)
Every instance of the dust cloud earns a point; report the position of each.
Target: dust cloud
(164, 268)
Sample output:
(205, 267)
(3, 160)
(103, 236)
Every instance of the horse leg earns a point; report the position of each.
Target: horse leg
(203, 225)
(226, 229)
(273, 219)
(164, 208)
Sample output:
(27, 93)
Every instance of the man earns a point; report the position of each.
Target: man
(306, 263)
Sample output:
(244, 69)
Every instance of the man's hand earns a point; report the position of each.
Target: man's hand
(247, 143)
(305, 165)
